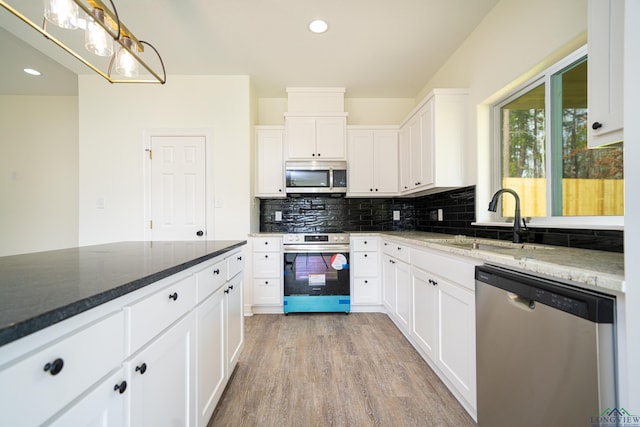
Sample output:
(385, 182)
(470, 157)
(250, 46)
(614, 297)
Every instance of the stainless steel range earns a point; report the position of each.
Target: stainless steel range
(316, 273)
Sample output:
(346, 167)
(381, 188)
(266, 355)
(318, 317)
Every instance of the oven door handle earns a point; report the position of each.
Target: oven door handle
(316, 249)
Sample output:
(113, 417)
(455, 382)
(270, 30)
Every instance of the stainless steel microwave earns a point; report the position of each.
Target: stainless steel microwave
(316, 177)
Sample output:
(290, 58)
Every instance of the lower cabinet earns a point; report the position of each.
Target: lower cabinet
(210, 325)
(162, 378)
(159, 356)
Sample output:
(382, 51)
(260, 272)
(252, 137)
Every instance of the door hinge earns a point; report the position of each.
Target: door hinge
(151, 224)
(150, 153)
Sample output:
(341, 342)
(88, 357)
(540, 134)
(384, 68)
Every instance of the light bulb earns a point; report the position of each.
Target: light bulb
(126, 64)
(63, 13)
(96, 39)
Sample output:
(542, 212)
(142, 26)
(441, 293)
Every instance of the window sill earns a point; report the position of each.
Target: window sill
(557, 224)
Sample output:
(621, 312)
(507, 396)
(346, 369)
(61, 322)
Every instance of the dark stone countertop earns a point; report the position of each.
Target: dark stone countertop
(43, 288)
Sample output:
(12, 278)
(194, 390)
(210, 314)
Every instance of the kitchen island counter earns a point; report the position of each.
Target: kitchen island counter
(43, 288)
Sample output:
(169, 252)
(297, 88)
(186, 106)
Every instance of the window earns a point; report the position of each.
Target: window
(543, 152)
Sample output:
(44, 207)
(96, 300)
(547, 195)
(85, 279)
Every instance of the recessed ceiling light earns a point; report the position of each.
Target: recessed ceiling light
(318, 26)
(32, 71)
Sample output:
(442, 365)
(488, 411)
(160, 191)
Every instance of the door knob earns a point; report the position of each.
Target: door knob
(199, 233)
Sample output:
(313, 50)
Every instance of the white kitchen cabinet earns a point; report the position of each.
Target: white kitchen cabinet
(211, 350)
(41, 383)
(605, 71)
(432, 144)
(397, 284)
(270, 162)
(162, 378)
(267, 273)
(373, 162)
(234, 322)
(443, 326)
(105, 405)
(316, 138)
(365, 269)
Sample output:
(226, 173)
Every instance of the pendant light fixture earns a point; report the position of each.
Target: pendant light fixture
(115, 53)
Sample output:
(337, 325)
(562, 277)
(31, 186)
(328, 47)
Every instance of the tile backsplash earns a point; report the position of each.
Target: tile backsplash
(331, 214)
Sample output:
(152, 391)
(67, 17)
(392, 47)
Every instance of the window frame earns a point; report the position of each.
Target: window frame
(551, 221)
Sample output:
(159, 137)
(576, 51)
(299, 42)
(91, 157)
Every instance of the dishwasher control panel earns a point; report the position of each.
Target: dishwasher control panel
(561, 302)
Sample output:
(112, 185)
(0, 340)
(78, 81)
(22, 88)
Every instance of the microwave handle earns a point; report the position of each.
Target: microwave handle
(330, 178)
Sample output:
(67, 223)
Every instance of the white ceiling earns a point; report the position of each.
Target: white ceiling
(374, 48)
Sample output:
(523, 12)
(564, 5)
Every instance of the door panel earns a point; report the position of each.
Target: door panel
(178, 197)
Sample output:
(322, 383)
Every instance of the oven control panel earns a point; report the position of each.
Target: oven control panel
(320, 238)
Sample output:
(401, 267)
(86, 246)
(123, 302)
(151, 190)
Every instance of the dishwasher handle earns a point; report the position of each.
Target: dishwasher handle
(522, 303)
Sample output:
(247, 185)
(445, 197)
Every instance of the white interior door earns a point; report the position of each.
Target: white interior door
(178, 194)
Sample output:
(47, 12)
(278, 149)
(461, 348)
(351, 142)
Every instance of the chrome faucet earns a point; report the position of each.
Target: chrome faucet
(518, 231)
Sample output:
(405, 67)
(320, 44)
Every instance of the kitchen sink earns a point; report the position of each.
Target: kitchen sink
(493, 245)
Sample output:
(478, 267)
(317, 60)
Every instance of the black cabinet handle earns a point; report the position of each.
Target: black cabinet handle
(392, 261)
(230, 286)
(120, 387)
(266, 282)
(199, 233)
(141, 368)
(596, 125)
(266, 256)
(399, 248)
(279, 190)
(174, 296)
(376, 189)
(365, 242)
(365, 255)
(226, 291)
(239, 258)
(433, 282)
(366, 281)
(54, 367)
(216, 271)
(371, 189)
(313, 155)
(318, 154)
(266, 243)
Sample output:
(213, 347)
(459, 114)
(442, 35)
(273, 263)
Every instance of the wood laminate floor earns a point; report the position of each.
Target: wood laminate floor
(333, 370)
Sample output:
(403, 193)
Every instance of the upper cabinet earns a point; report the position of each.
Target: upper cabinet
(270, 162)
(373, 162)
(432, 143)
(605, 71)
(316, 137)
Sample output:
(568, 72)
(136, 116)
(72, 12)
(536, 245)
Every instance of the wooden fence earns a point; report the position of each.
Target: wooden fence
(579, 197)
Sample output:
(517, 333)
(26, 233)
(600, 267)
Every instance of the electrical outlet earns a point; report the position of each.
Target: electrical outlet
(440, 215)
(278, 215)
(396, 215)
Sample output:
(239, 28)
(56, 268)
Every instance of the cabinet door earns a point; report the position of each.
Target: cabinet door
(389, 283)
(364, 264)
(403, 296)
(301, 138)
(605, 71)
(234, 322)
(385, 165)
(424, 315)
(405, 159)
(270, 163)
(162, 379)
(360, 149)
(366, 290)
(105, 405)
(267, 291)
(427, 141)
(211, 351)
(331, 137)
(267, 264)
(456, 353)
(415, 152)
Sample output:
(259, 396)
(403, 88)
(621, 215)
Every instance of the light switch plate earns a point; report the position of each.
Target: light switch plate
(278, 215)
(440, 215)
(396, 215)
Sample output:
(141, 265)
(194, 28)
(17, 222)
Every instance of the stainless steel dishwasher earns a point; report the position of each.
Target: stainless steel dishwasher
(545, 351)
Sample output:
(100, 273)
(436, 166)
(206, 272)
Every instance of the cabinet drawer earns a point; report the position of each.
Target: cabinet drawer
(396, 250)
(450, 267)
(148, 317)
(267, 291)
(366, 290)
(266, 244)
(210, 279)
(364, 264)
(235, 264)
(267, 264)
(364, 244)
(30, 394)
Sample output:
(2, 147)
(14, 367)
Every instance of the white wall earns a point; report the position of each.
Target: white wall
(631, 382)
(113, 122)
(515, 41)
(38, 173)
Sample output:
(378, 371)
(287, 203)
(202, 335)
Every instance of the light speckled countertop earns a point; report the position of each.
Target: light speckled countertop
(598, 270)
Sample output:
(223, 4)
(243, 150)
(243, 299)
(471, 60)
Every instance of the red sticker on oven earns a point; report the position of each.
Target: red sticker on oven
(338, 261)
